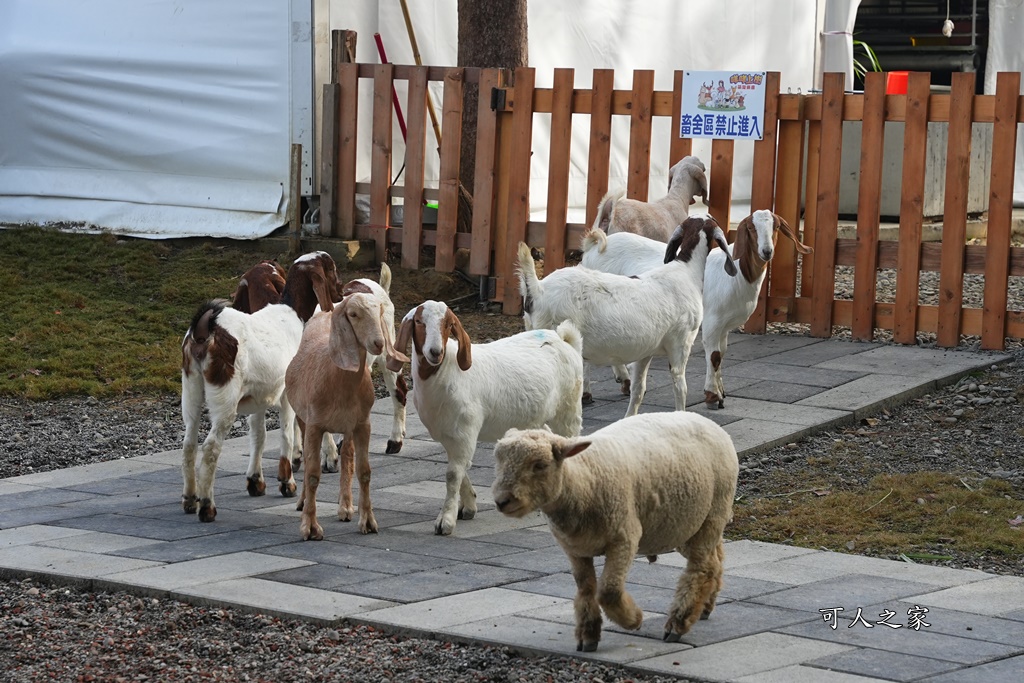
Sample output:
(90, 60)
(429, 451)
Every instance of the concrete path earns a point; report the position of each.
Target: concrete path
(786, 614)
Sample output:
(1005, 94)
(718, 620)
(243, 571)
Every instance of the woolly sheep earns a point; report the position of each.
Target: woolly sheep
(467, 392)
(644, 485)
(657, 219)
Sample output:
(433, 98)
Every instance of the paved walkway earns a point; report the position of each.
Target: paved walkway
(502, 581)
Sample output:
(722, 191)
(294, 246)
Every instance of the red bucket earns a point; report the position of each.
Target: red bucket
(896, 82)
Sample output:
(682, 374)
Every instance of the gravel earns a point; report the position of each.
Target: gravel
(62, 633)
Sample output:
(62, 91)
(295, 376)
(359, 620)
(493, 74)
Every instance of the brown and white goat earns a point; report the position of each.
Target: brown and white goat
(235, 363)
(729, 301)
(260, 286)
(328, 385)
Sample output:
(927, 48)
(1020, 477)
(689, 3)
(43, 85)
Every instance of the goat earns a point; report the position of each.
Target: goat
(467, 392)
(236, 362)
(645, 485)
(626, 319)
(659, 218)
(328, 385)
(260, 286)
(728, 301)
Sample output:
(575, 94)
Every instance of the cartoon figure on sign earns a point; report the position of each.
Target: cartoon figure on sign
(720, 94)
(704, 96)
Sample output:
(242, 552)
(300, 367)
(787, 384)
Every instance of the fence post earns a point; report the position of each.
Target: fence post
(827, 205)
(558, 170)
(487, 159)
(519, 184)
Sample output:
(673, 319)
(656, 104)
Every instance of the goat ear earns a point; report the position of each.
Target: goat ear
(321, 289)
(702, 180)
(730, 264)
(567, 449)
(402, 341)
(394, 357)
(465, 355)
(343, 346)
(788, 232)
(673, 244)
(240, 299)
(385, 277)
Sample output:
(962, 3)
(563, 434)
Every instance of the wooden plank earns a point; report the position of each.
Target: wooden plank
(415, 155)
(519, 185)
(720, 181)
(869, 207)
(811, 200)
(329, 162)
(558, 170)
(501, 204)
(1007, 113)
(483, 178)
(347, 146)
(954, 220)
(788, 189)
(448, 180)
(678, 146)
(600, 140)
(915, 139)
(762, 189)
(380, 158)
(827, 208)
(639, 172)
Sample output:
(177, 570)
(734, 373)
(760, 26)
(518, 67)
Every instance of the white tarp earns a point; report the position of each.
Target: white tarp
(1006, 53)
(153, 118)
(663, 35)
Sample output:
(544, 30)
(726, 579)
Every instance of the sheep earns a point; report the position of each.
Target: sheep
(728, 301)
(329, 387)
(644, 485)
(659, 218)
(630, 319)
(236, 362)
(466, 392)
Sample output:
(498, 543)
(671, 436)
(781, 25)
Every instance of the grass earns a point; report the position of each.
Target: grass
(100, 315)
(921, 515)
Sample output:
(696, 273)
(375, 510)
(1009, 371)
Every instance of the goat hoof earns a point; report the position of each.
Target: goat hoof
(256, 486)
(466, 513)
(329, 467)
(287, 489)
(207, 512)
(393, 447)
(671, 637)
(582, 646)
(370, 527)
(705, 614)
(300, 505)
(587, 398)
(624, 388)
(189, 504)
(442, 529)
(314, 533)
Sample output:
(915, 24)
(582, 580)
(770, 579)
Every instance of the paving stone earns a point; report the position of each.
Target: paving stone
(1010, 670)
(794, 414)
(915, 362)
(12, 519)
(555, 585)
(751, 435)
(324, 576)
(744, 552)
(448, 580)
(298, 601)
(849, 592)
(448, 547)
(96, 542)
(904, 640)
(891, 666)
(869, 394)
(770, 371)
(8, 487)
(992, 596)
(191, 575)
(158, 529)
(827, 349)
(84, 473)
(40, 497)
(738, 619)
(744, 347)
(60, 562)
(345, 555)
(740, 657)
(438, 613)
(200, 547)
(35, 533)
(798, 673)
(774, 391)
(485, 523)
(858, 564)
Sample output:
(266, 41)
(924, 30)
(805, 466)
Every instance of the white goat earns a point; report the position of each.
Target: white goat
(466, 392)
(645, 485)
(626, 319)
(728, 301)
(236, 362)
(329, 386)
(657, 219)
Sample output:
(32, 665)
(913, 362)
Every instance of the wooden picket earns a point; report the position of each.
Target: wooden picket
(795, 173)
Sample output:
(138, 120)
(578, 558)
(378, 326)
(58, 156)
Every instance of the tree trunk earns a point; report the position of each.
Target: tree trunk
(492, 33)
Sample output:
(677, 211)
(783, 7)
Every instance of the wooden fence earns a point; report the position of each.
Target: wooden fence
(799, 156)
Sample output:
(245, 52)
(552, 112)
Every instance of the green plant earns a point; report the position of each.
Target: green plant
(864, 59)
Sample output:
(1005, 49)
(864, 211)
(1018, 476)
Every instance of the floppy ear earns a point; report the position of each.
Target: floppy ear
(321, 289)
(240, 299)
(702, 180)
(788, 232)
(719, 237)
(343, 346)
(402, 341)
(465, 355)
(394, 357)
(673, 244)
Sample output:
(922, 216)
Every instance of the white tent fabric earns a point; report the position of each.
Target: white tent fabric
(837, 39)
(149, 118)
(1006, 53)
(619, 34)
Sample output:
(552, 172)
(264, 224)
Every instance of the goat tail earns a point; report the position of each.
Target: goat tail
(571, 335)
(529, 284)
(605, 208)
(594, 237)
(385, 277)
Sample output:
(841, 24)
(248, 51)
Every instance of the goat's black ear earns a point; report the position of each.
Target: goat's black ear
(673, 244)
